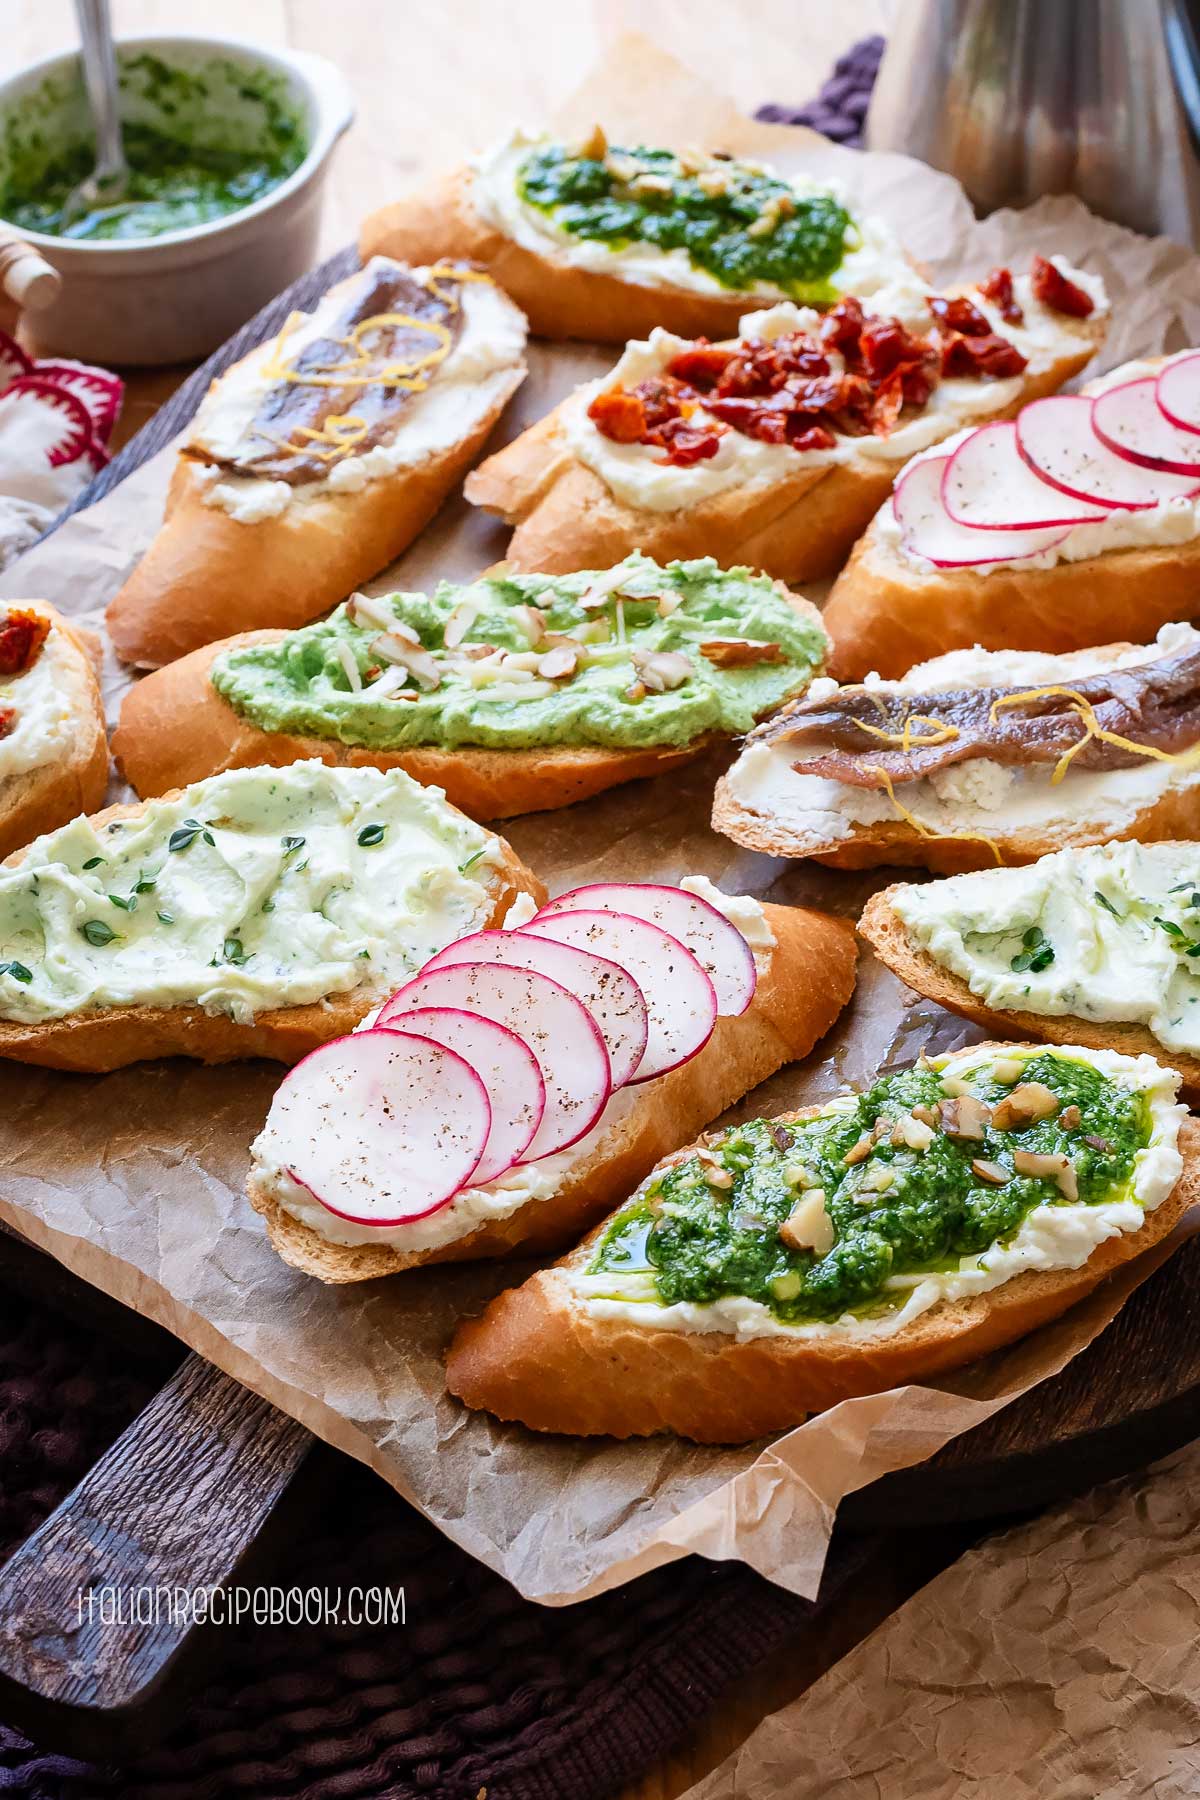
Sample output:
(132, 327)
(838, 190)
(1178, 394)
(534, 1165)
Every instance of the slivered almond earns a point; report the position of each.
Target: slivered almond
(661, 670)
(668, 603)
(737, 653)
(1051, 1165)
(808, 1225)
(460, 622)
(349, 667)
(1025, 1106)
(563, 660)
(637, 691)
(419, 663)
(531, 622)
(361, 607)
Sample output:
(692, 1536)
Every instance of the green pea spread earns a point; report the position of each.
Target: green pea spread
(200, 142)
(738, 221)
(640, 656)
(895, 1210)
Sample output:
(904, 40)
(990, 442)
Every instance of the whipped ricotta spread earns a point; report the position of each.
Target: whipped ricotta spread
(472, 1207)
(1060, 1236)
(481, 371)
(44, 726)
(637, 475)
(1173, 521)
(980, 796)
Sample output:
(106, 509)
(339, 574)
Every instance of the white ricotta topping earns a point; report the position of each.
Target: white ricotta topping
(1050, 1237)
(45, 723)
(480, 372)
(978, 795)
(637, 475)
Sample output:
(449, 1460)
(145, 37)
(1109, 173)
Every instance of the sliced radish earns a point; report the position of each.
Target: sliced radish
(100, 392)
(681, 1001)
(611, 995)
(507, 1068)
(557, 1027)
(1058, 441)
(927, 529)
(988, 485)
(1130, 421)
(14, 362)
(715, 942)
(63, 427)
(1178, 391)
(387, 1128)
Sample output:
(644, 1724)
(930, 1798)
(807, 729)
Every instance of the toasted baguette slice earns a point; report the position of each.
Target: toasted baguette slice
(884, 613)
(806, 983)
(99, 1039)
(799, 529)
(207, 571)
(782, 829)
(74, 776)
(536, 1356)
(895, 945)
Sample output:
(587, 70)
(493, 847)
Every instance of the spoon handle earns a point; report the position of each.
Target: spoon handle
(100, 79)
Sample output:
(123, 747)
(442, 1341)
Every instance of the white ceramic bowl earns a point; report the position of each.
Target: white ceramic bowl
(176, 297)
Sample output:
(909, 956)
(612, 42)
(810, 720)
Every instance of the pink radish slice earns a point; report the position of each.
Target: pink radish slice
(927, 529)
(507, 1068)
(382, 1128)
(1129, 420)
(987, 485)
(1178, 392)
(99, 391)
(556, 1026)
(1058, 441)
(610, 994)
(680, 999)
(14, 362)
(715, 942)
(56, 421)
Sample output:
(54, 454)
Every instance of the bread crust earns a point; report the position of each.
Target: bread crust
(535, 1356)
(559, 300)
(44, 798)
(175, 728)
(206, 571)
(799, 529)
(893, 944)
(807, 983)
(104, 1038)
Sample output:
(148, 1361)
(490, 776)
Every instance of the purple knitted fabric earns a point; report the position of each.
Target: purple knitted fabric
(839, 110)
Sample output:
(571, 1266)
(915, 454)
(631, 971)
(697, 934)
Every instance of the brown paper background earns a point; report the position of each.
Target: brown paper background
(135, 1179)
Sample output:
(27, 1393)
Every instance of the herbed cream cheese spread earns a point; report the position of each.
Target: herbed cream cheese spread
(44, 724)
(1110, 933)
(499, 1199)
(256, 889)
(1050, 1211)
(978, 795)
(636, 474)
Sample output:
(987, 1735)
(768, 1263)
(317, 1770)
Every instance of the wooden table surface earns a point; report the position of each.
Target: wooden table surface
(430, 77)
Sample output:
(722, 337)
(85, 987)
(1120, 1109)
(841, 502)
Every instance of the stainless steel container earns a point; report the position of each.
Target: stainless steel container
(1020, 98)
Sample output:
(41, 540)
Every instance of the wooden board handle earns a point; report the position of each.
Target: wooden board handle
(175, 1503)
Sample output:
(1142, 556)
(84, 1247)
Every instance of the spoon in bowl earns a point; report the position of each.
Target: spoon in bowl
(104, 189)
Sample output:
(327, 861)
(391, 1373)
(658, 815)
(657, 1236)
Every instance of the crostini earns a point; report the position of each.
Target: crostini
(777, 448)
(783, 1265)
(256, 914)
(978, 758)
(1096, 946)
(1076, 523)
(53, 748)
(600, 242)
(507, 1096)
(316, 460)
(514, 693)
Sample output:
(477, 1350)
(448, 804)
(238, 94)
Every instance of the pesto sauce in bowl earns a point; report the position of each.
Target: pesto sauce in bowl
(700, 1243)
(754, 229)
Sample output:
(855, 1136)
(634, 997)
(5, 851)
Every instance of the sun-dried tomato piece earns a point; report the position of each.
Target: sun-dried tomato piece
(842, 324)
(662, 398)
(763, 419)
(998, 288)
(800, 354)
(804, 434)
(884, 344)
(958, 314)
(1052, 288)
(701, 365)
(991, 355)
(22, 635)
(8, 720)
(687, 444)
(620, 416)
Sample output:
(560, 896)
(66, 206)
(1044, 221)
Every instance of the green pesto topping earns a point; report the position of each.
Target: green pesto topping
(201, 142)
(537, 659)
(736, 220)
(895, 1210)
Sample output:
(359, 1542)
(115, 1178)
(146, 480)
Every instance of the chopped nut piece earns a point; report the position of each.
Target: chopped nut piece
(661, 670)
(964, 1117)
(994, 1172)
(878, 1179)
(636, 692)
(737, 653)
(1007, 1069)
(594, 145)
(799, 1175)
(1024, 1106)
(1098, 1143)
(1070, 1118)
(861, 1150)
(1053, 1165)
(808, 1225)
(780, 1136)
(926, 1115)
(713, 182)
(621, 168)
(954, 1084)
(651, 184)
(715, 1173)
(916, 1133)
(559, 662)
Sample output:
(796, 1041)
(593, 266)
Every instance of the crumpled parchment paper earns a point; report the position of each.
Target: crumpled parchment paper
(135, 1179)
